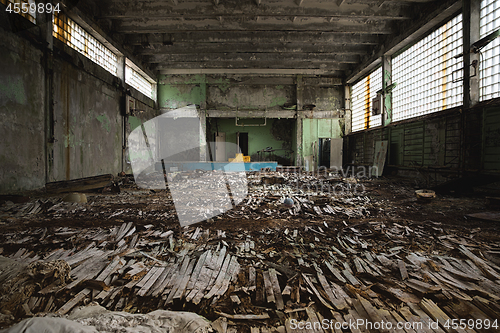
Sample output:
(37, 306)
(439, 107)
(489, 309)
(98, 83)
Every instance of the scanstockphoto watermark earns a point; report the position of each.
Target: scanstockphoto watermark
(363, 324)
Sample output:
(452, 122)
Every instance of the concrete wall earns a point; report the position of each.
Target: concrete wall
(89, 125)
(22, 159)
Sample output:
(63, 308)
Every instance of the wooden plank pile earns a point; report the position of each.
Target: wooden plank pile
(279, 280)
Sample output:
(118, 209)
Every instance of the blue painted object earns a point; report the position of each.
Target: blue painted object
(209, 166)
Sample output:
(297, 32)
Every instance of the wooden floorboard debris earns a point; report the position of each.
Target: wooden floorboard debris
(316, 292)
(338, 303)
(335, 272)
(372, 312)
(313, 318)
(73, 302)
(402, 269)
(276, 289)
(79, 185)
(151, 281)
(438, 315)
(268, 287)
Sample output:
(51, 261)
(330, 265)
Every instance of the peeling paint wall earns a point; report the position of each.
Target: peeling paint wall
(22, 89)
(88, 125)
(215, 92)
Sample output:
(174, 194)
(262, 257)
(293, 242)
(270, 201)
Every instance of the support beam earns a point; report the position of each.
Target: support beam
(311, 58)
(210, 48)
(246, 71)
(265, 23)
(260, 37)
(300, 117)
(386, 94)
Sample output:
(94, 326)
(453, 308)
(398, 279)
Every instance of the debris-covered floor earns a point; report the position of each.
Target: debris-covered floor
(361, 256)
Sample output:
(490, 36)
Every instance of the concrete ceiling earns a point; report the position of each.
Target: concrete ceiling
(326, 37)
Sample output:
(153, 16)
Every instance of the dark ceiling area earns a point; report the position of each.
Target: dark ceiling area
(322, 37)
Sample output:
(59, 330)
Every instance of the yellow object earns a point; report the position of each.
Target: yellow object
(240, 158)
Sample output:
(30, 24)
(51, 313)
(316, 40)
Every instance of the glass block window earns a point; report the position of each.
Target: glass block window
(425, 73)
(25, 8)
(139, 80)
(73, 35)
(490, 54)
(362, 94)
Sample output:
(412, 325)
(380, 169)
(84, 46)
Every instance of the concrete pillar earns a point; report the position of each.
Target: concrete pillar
(300, 90)
(386, 94)
(348, 111)
(475, 14)
(44, 22)
(470, 21)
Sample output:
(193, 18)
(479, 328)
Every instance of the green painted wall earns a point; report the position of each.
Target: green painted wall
(313, 129)
(215, 92)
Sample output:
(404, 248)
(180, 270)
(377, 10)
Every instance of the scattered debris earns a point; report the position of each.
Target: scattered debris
(260, 267)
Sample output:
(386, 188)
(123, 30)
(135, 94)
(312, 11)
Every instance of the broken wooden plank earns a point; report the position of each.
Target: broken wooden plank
(81, 184)
(339, 304)
(372, 312)
(276, 289)
(402, 269)
(316, 292)
(268, 287)
(351, 278)
(335, 272)
(151, 281)
(72, 302)
(220, 277)
(438, 315)
(185, 280)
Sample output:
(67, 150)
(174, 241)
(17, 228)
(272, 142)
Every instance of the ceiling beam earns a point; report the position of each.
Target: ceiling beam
(264, 24)
(249, 71)
(311, 8)
(279, 58)
(252, 65)
(264, 37)
(204, 48)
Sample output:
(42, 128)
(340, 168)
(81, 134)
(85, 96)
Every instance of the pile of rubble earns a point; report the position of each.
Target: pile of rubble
(260, 267)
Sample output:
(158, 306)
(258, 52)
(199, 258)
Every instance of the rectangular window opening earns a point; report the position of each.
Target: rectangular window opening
(362, 95)
(139, 80)
(489, 83)
(73, 35)
(426, 73)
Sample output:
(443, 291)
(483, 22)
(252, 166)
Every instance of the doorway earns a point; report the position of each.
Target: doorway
(243, 143)
(324, 152)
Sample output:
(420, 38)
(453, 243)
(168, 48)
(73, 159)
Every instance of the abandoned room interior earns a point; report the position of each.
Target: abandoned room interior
(250, 166)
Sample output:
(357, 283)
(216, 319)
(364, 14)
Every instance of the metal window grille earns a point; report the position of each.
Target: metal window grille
(73, 35)
(30, 14)
(138, 81)
(490, 57)
(362, 95)
(427, 75)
